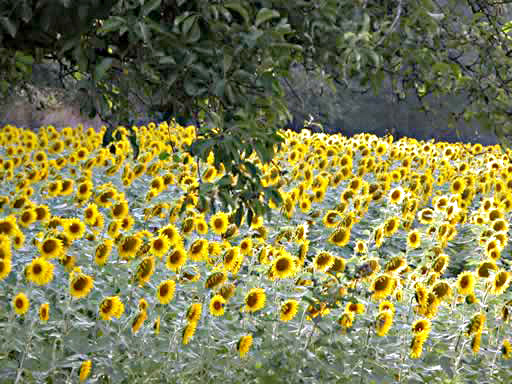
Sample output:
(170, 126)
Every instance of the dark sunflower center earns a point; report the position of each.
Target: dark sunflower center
(19, 303)
(252, 299)
(37, 269)
(164, 290)
(381, 284)
(79, 284)
(49, 246)
(282, 264)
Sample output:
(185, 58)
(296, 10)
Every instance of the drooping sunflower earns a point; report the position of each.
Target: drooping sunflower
(198, 250)
(111, 306)
(288, 310)
(20, 303)
(476, 341)
(231, 258)
(416, 347)
(255, 300)
(165, 291)
(176, 259)
(138, 321)
(172, 234)
(484, 269)
(441, 263)
(188, 332)
(145, 270)
(217, 303)
(346, 320)
(323, 261)
(39, 271)
(383, 322)
(219, 223)
(44, 312)
(194, 312)
(160, 245)
(382, 286)
(227, 290)
(501, 282)
(102, 252)
(442, 290)
(80, 284)
(421, 328)
(244, 345)
(283, 266)
(129, 247)
(396, 265)
(476, 324)
(338, 265)
(215, 279)
(85, 370)
(466, 283)
(51, 247)
(340, 236)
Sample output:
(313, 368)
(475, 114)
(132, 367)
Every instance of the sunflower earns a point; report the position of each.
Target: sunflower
(176, 259)
(283, 266)
(331, 219)
(244, 345)
(201, 225)
(396, 265)
(414, 239)
(338, 265)
(416, 347)
(145, 270)
(5, 268)
(138, 321)
(84, 190)
(506, 349)
(227, 291)
(396, 195)
(143, 304)
(466, 283)
(323, 261)
(391, 226)
(198, 250)
(194, 312)
(5, 247)
(346, 320)
(383, 322)
(387, 305)
(156, 325)
(340, 236)
(219, 223)
(476, 324)
(51, 247)
(217, 303)
(165, 291)
(484, 269)
(382, 286)
(74, 228)
(476, 342)
(102, 252)
(18, 239)
(44, 312)
(426, 216)
(85, 370)
(360, 246)
(129, 247)
(353, 307)
(442, 290)
(246, 246)
(501, 282)
(80, 284)
(160, 245)
(255, 300)
(119, 209)
(288, 310)
(111, 306)
(231, 258)
(441, 263)
(39, 271)
(215, 279)
(27, 217)
(188, 332)
(20, 303)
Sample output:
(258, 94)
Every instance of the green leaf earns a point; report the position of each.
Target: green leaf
(237, 7)
(150, 6)
(164, 155)
(264, 15)
(111, 24)
(8, 25)
(101, 69)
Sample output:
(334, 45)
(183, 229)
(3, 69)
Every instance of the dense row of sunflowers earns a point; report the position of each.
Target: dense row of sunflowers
(393, 236)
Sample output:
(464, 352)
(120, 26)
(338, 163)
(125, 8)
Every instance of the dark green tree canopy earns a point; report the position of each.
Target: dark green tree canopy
(222, 62)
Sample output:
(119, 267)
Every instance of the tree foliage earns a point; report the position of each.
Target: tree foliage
(220, 62)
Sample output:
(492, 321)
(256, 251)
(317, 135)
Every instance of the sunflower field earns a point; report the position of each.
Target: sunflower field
(383, 261)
